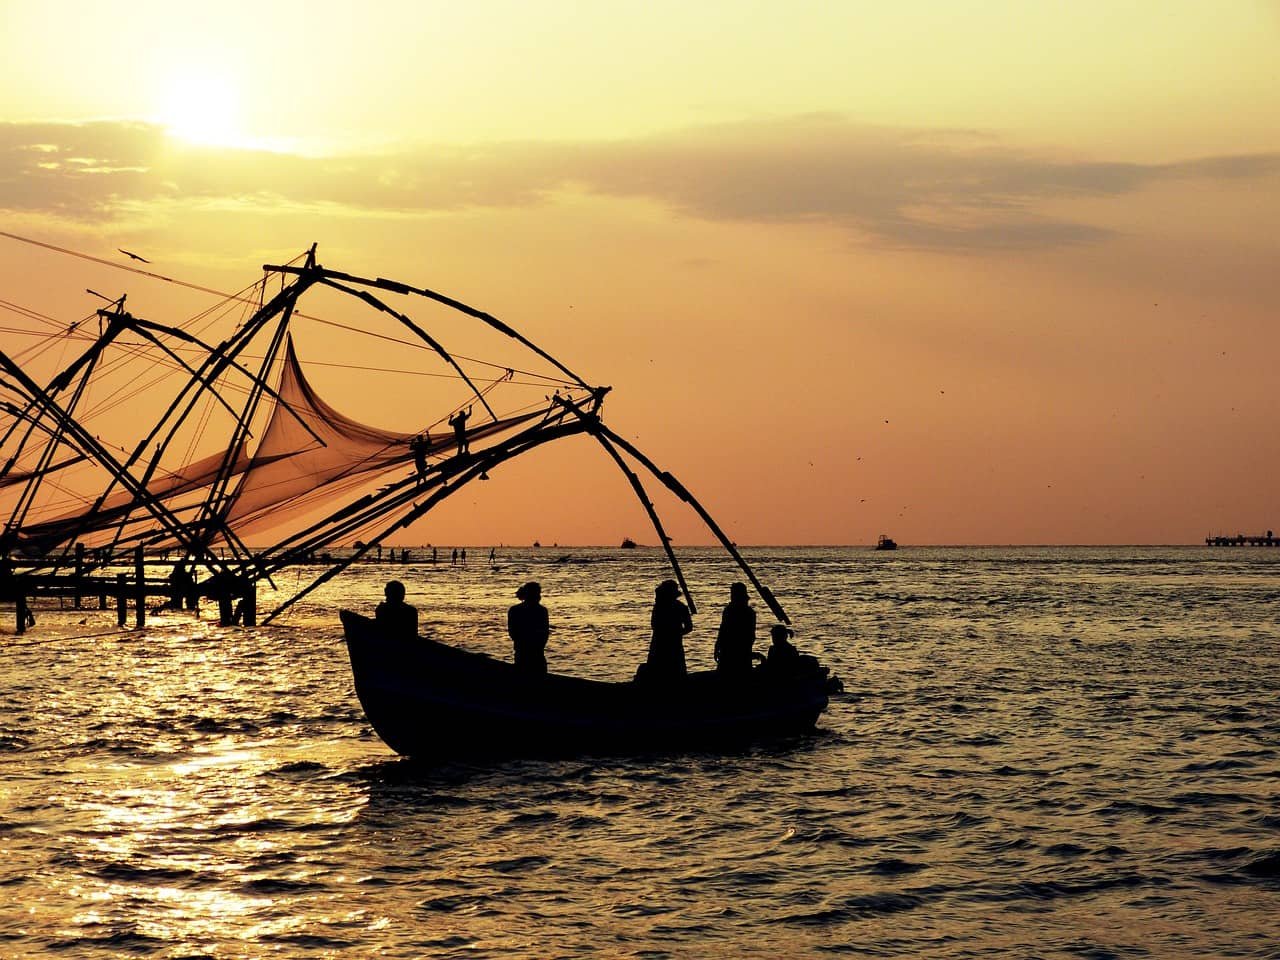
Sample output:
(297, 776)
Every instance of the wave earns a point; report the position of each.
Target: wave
(129, 941)
(858, 907)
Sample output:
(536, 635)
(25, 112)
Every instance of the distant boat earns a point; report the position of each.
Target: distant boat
(628, 543)
(432, 701)
(886, 543)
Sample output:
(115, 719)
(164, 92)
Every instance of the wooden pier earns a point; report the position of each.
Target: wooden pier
(236, 598)
(1240, 540)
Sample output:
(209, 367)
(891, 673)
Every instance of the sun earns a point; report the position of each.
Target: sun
(203, 107)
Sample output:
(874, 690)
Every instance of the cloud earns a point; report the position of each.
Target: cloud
(938, 190)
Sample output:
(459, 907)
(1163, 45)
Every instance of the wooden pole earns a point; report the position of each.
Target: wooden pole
(604, 434)
(476, 468)
(78, 584)
(88, 443)
(404, 288)
(422, 334)
(250, 604)
(140, 587)
(645, 502)
(122, 598)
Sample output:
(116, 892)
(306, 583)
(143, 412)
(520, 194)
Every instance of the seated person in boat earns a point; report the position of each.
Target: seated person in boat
(783, 656)
(670, 621)
(529, 626)
(736, 635)
(394, 615)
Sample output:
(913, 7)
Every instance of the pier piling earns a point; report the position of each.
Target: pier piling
(140, 588)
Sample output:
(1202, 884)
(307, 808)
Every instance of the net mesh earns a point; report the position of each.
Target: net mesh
(309, 453)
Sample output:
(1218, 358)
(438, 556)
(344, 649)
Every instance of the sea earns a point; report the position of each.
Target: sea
(1058, 752)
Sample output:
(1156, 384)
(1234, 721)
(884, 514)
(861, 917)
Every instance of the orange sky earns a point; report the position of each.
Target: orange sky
(961, 273)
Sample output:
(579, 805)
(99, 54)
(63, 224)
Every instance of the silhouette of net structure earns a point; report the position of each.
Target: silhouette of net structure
(220, 445)
(309, 452)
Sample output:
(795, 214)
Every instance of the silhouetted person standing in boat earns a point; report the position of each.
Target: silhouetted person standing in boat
(394, 615)
(736, 635)
(529, 626)
(459, 423)
(670, 621)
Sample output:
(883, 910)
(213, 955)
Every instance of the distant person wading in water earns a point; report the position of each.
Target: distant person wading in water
(670, 621)
(529, 627)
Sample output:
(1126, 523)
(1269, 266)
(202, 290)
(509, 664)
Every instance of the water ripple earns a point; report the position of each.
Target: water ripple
(1048, 753)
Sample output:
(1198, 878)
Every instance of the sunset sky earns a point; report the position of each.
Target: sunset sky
(957, 272)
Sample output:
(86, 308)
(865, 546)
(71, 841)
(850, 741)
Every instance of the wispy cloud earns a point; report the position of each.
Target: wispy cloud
(941, 190)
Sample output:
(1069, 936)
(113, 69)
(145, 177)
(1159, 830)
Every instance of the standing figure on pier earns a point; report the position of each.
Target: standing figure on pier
(182, 586)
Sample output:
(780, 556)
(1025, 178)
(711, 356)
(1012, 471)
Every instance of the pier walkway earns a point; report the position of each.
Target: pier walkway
(20, 583)
(1240, 540)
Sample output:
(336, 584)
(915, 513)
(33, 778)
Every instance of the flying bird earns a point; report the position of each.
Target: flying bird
(133, 256)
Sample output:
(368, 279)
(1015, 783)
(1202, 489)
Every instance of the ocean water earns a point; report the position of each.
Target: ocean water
(1057, 752)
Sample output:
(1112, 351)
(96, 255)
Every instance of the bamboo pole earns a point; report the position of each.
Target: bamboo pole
(422, 334)
(403, 288)
(88, 443)
(486, 461)
(217, 360)
(600, 431)
(78, 582)
(140, 588)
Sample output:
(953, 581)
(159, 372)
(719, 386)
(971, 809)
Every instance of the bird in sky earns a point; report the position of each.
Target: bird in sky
(132, 256)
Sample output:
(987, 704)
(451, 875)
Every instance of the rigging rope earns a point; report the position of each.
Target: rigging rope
(243, 299)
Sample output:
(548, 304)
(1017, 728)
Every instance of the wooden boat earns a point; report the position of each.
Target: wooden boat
(429, 700)
(886, 543)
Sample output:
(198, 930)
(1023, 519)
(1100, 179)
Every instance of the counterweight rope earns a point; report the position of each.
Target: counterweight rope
(244, 299)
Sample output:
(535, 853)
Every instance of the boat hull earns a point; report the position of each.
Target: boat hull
(428, 700)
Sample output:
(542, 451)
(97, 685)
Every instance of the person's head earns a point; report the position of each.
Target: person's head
(394, 591)
(531, 592)
(667, 590)
(781, 633)
(738, 593)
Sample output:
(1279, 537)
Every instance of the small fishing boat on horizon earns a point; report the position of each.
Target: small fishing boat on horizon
(886, 543)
